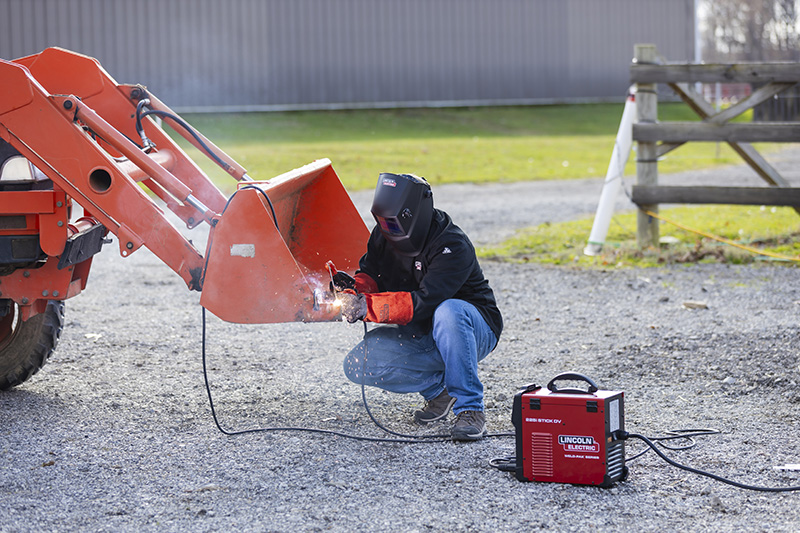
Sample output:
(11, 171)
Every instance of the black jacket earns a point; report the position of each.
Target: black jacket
(446, 268)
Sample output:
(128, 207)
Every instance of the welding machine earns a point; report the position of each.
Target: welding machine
(568, 435)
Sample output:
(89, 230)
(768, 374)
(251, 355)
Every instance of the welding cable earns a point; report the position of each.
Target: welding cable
(280, 428)
(406, 439)
(440, 436)
(624, 436)
(211, 234)
(411, 440)
(674, 434)
(434, 438)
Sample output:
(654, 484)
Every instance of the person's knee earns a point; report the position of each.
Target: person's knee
(353, 367)
(450, 313)
(448, 310)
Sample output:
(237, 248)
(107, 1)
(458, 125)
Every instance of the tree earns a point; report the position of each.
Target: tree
(750, 30)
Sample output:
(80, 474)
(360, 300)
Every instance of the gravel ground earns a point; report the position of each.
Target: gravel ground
(115, 433)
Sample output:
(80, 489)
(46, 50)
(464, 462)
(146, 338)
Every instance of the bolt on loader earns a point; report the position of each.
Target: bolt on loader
(70, 135)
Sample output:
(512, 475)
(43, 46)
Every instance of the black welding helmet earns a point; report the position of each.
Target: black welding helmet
(403, 209)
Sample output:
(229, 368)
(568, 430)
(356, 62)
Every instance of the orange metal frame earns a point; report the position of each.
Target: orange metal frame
(66, 115)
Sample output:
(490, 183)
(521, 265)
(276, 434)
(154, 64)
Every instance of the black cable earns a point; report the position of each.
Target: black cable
(266, 196)
(211, 234)
(441, 436)
(652, 445)
(673, 434)
(407, 439)
(286, 428)
(508, 463)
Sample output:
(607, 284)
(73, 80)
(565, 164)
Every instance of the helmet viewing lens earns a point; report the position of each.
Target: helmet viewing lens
(390, 226)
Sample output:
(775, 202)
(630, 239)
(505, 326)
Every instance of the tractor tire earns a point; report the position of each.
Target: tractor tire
(26, 346)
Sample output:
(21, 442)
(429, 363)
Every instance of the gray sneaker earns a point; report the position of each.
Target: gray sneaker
(435, 409)
(470, 425)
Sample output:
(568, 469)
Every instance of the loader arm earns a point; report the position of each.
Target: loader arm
(95, 140)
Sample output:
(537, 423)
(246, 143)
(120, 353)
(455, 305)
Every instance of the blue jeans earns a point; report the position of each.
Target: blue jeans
(400, 359)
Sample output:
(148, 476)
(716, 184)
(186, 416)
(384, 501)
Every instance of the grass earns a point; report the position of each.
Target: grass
(774, 230)
(500, 144)
(443, 145)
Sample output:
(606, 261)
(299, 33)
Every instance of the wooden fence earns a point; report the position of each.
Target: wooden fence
(655, 138)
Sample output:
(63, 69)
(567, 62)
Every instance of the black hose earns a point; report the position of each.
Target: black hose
(188, 128)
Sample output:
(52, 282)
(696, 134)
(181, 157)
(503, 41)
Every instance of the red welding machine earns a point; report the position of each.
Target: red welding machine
(567, 435)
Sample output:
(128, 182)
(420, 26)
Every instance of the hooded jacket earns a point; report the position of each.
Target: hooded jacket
(407, 290)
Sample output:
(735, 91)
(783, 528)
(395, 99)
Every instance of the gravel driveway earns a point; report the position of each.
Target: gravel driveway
(115, 433)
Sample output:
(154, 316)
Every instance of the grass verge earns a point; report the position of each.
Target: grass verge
(774, 230)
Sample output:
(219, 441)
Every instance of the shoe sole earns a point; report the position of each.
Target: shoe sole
(464, 436)
(423, 421)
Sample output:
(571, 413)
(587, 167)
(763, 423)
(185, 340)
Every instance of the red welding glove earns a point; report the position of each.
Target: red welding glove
(364, 283)
(389, 307)
(381, 307)
(354, 306)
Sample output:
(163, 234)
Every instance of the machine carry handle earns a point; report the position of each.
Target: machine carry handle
(575, 377)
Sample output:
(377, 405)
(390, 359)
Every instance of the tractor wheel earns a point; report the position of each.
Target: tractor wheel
(25, 346)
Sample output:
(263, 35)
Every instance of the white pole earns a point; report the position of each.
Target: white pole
(613, 182)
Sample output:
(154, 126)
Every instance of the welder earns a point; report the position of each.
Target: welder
(421, 281)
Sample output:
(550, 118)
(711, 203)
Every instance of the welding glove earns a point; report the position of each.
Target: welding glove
(381, 307)
(354, 305)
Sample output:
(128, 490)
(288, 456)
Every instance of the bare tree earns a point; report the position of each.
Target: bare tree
(755, 30)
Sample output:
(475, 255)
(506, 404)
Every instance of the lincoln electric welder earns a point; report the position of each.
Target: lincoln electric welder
(567, 435)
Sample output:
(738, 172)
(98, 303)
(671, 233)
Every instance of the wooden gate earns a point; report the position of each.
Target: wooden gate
(654, 139)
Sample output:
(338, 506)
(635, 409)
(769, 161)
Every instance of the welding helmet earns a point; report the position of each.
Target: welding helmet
(403, 209)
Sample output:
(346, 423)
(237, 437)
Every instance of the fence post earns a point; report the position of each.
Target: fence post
(646, 163)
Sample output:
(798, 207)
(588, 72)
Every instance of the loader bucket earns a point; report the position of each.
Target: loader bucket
(263, 270)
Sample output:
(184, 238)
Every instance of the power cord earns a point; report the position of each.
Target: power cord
(673, 434)
(624, 436)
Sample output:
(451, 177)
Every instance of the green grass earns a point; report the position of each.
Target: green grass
(444, 145)
(771, 229)
(500, 144)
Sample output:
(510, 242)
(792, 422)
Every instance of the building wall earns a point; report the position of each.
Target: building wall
(296, 54)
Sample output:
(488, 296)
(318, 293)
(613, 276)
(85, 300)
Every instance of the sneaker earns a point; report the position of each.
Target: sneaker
(470, 425)
(435, 409)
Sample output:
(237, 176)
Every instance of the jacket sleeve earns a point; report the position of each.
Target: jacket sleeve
(368, 274)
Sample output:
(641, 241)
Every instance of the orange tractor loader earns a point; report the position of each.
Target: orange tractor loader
(70, 134)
